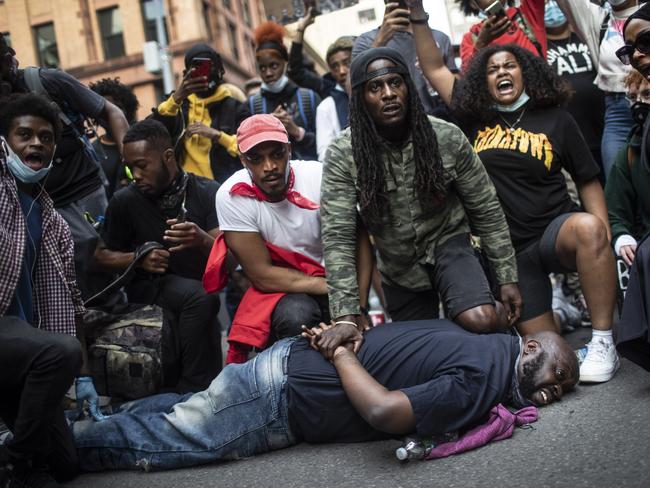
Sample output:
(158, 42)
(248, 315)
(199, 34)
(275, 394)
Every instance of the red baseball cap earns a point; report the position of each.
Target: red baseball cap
(260, 128)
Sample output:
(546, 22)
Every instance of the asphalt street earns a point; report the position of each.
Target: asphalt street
(597, 436)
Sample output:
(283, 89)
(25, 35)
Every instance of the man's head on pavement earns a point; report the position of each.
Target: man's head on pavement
(475, 7)
(31, 128)
(265, 151)
(339, 57)
(271, 55)
(636, 34)
(118, 94)
(547, 369)
(149, 154)
(202, 51)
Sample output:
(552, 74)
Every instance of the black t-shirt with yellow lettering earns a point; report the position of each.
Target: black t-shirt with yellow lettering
(525, 164)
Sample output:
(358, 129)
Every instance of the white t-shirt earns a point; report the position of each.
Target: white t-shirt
(282, 224)
(327, 125)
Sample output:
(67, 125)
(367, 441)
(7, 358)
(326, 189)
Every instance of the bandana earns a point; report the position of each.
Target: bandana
(174, 196)
(253, 191)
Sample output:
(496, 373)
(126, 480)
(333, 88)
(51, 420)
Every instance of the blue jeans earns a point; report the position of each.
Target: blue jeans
(243, 412)
(618, 123)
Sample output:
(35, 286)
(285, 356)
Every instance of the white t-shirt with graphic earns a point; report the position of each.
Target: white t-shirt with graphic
(282, 224)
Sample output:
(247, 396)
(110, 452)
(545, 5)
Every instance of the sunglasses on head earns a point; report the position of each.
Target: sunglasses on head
(641, 44)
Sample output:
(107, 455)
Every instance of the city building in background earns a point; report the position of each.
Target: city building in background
(93, 39)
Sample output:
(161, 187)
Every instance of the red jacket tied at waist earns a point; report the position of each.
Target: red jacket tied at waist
(251, 324)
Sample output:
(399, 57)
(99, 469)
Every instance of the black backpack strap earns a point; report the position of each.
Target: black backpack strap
(257, 104)
(35, 85)
(603, 28)
(306, 102)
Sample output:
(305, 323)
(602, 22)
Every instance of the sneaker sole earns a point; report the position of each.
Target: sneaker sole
(602, 377)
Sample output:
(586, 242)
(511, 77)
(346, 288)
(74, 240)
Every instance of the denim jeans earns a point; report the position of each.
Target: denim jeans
(243, 412)
(618, 123)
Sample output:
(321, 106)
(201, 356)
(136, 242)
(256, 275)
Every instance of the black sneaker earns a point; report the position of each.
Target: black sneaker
(12, 477)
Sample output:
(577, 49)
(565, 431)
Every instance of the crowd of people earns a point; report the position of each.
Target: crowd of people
(491, 208)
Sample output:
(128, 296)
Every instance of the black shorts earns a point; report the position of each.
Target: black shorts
(457, 276)
(534, 263)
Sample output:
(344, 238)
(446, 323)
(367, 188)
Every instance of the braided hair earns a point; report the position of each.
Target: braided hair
(368, 145)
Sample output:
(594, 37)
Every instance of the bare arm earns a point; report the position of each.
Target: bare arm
(116, 122)
(250, 251)
(593, 199)
(430, 56)
(387, 411)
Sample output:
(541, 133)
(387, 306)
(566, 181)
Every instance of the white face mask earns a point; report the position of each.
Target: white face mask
(20, 170)
(276, 86)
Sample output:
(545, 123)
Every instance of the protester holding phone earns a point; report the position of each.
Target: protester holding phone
(396, 32)
(203, 115)
(503, 24)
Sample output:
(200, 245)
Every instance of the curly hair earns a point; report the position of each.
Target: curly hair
(18, 105)
(471, 100)
(120, 93)
(467, 8)
(269, 35)
(368, 145)
(149, 130)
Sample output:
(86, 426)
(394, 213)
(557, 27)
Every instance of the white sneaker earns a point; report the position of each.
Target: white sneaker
(600, 363)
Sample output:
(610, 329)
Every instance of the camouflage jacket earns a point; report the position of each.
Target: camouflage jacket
(408, 234)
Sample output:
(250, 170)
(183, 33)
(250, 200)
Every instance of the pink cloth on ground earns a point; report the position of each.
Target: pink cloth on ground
(499, 426)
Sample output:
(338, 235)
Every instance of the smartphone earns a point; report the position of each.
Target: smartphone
(401, 4)
(201, 67)
(495, 9)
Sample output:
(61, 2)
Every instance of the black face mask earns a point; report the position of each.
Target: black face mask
(640, 112)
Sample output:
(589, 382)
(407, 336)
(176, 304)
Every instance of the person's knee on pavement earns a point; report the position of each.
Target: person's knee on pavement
(482, 319)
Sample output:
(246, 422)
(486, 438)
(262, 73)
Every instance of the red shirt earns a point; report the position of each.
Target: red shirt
(533, 12)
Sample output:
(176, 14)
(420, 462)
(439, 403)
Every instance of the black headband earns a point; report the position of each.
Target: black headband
(360, 63)
(275, 46)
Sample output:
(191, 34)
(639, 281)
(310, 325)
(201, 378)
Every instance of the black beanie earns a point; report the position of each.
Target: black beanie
(202, 50)
(643, 13)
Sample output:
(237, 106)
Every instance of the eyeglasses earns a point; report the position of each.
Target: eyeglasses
(641, 44)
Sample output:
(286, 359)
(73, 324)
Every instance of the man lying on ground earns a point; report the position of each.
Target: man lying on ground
(429, 377)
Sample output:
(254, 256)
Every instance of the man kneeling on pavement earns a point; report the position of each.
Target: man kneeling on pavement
(175, 209)
(270, 218)
(426, 377)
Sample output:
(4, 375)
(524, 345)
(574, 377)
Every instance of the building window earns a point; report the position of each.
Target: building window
(149, 19)
(110, 27)
(232, 33)
(246, 11)
(366, 16)
(48, 54)
(207, 18)
(7, 37)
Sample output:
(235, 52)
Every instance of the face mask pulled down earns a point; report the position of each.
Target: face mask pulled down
(276, 86)
(20, 170)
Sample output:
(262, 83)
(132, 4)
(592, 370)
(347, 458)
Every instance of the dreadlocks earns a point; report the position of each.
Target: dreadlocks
(368, 145)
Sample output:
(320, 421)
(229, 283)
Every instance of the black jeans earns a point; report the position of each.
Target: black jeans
(191, 335)
(296, 309)
(36, 369)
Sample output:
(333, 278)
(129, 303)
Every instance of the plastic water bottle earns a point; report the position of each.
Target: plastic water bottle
(581, 353)
(414, 448)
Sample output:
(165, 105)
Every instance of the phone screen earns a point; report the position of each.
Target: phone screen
(201, 67)
(496, 9)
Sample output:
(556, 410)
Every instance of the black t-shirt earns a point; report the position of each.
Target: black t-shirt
(132, 219)
(451, 377)
(111, 163)
(571, 60)
(525, 166)
(77, 175)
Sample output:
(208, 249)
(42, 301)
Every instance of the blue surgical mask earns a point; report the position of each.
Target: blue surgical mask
(553, 15)
(20, 170)
(276, 86)
(523, 98)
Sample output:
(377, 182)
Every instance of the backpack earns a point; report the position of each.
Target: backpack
(125, 359)
(306, 107)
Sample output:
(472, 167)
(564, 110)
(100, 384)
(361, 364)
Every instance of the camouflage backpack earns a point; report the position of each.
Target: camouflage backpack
(125, 358)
